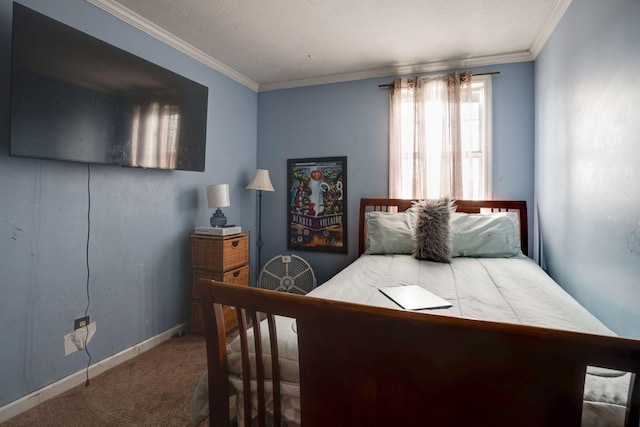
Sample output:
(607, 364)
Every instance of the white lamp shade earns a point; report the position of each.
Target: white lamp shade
(261, 181)
(218, 195)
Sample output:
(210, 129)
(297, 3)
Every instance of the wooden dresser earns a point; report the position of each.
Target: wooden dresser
(225, 259)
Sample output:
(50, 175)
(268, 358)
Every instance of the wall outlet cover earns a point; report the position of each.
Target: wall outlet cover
(77, 339)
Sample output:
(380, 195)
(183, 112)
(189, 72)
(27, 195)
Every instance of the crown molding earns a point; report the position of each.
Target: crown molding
(161, 34)
(404, 70)
(164, 36)
(550, 25)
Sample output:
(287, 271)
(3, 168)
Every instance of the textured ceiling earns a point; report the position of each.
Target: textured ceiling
(279, 43)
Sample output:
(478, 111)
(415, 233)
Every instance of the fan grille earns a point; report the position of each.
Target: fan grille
(287, 273)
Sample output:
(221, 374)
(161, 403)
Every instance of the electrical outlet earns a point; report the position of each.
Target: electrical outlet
(78, 339)
(81, 322)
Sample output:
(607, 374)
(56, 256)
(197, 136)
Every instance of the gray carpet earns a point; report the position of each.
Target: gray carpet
(152, 389)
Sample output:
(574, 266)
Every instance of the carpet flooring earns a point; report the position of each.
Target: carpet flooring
(152, 389)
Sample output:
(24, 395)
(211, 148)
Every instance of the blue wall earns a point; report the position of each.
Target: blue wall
(352, 119)
(140, 221)
(588, 158)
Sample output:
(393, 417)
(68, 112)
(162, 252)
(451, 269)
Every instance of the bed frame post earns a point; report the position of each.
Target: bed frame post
(217, 366)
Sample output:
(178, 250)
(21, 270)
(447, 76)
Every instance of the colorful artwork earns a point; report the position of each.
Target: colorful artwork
(317, 204)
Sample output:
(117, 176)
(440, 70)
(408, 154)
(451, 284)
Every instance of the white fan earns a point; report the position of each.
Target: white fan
(287, 273)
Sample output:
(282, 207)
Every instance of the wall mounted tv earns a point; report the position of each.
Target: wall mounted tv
(77, 98)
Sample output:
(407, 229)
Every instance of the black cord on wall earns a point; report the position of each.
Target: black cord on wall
(86, 311)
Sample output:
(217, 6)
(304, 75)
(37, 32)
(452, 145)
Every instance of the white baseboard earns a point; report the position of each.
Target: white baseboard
(29, 401)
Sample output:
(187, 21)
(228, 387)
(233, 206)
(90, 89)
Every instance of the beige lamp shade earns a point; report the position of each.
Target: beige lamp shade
(261, 181)
(218, 195)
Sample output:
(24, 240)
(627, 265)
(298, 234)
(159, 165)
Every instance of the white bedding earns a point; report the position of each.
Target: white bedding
(511, 290)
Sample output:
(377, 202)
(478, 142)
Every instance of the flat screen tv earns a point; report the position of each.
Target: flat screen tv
(77, 98)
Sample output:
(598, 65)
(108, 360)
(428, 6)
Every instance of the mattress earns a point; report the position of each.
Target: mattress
(510, 290)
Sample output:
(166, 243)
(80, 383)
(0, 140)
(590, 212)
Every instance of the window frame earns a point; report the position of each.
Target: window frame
(486, 130)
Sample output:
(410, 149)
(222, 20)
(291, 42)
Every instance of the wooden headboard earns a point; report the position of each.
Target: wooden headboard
(467, 206)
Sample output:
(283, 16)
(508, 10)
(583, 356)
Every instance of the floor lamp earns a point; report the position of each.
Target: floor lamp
(260, 182)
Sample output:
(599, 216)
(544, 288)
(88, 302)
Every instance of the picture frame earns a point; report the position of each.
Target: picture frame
(317, 204)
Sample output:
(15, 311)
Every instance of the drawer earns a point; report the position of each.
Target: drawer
(197, 321)
(238, 276)
(219, 254)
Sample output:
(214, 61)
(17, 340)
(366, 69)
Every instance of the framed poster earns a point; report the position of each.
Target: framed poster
(317, 204)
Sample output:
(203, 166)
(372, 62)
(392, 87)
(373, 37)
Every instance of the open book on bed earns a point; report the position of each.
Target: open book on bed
(414, 297)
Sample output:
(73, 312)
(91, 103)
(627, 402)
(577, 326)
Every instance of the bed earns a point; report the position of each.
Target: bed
(513, 349)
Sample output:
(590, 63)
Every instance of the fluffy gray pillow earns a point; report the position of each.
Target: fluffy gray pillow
(433, 232)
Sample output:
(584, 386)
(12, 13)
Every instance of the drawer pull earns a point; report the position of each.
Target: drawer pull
(235, 243)
(236, 273)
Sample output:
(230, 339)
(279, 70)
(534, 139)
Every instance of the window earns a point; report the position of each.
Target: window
(434, 151)
(476, 140)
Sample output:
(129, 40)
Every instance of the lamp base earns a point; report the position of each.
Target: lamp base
(218, 219)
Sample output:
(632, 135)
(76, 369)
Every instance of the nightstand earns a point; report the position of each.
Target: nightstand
(221, 258)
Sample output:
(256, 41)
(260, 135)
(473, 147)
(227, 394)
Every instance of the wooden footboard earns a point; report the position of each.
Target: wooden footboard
(370, 366)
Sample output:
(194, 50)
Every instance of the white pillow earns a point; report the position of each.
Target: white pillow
(390, 233)
(494, 235)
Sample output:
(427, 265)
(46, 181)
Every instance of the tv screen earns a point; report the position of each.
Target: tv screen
(77, 98)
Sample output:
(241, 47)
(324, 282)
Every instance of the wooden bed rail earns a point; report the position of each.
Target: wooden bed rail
(371, 366)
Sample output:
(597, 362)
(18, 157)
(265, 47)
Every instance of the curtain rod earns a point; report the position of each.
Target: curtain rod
(491, 73)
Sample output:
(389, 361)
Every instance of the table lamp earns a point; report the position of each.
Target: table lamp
(218, 196)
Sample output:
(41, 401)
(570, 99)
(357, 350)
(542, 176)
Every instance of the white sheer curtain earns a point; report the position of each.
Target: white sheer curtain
(425, 141)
